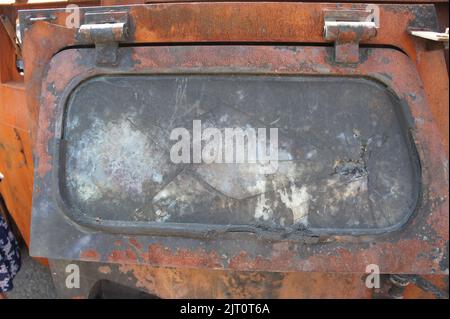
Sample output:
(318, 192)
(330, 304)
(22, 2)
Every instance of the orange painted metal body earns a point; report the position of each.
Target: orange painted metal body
(202, 23)
(16, 122)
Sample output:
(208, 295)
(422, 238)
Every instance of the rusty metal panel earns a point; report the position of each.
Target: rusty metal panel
(237, 22)
(178, 283)
(390, 88)
(121, 243)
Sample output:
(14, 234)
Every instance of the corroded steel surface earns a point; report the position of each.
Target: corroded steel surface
(18, 181)
(219, 22)
(210, 283)
(238, 22)
(16, 161)
(419, 247)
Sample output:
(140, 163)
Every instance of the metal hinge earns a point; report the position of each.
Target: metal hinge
(105, 30)
(347, 28)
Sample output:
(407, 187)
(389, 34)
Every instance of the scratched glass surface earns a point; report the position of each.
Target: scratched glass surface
(344, 158)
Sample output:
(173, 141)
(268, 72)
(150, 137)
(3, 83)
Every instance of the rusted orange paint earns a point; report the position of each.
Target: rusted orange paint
(16, 165)
(135, 243)
(158, 254)
(208, 283)
(17, 121)
(435, 82)
(104, 269)
(91, 255)
(224, 22)
(400, 255)
(191, 283)
(414, 292)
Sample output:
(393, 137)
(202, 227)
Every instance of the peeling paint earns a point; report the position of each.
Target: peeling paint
(412, 253)
(117, 157)
(263, 209)
(297, 200)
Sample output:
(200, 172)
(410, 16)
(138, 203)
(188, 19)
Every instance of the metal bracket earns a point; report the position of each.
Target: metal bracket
(347, 28)
(105, 30)
(432, 36)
